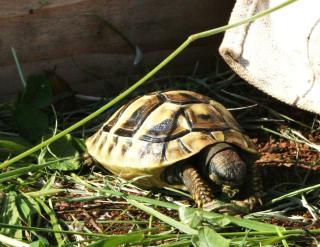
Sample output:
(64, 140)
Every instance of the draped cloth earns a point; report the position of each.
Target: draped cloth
(279, 53)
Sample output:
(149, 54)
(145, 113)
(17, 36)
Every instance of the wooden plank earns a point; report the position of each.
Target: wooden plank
(44, 32)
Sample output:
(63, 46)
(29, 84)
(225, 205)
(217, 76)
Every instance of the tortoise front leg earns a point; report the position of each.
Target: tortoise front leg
(203, 195)
(257, 186)
(196, 185)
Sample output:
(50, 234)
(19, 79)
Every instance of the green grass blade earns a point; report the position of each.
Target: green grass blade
(15, 57)
(180, 226)
(220, 219)
(284, 241)
(12, 242)
(272, 240)
(54, 222)
(180, 243)
(14, 144)
(49, 230)
(118, 193)
(251, 224)
(6, 176)
(296, 192)
(118, 240)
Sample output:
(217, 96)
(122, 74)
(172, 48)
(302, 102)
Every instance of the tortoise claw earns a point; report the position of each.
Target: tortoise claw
(251, 202)
(226, 208)
(86, 159)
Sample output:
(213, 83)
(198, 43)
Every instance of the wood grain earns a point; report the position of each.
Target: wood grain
(46, 33)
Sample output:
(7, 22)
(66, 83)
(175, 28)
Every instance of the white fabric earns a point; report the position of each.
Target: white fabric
(280, 53)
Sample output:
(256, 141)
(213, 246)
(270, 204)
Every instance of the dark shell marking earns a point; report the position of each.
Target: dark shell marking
(130, 117)
(160, 129)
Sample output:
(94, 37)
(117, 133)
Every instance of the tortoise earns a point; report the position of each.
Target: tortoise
(178, 139)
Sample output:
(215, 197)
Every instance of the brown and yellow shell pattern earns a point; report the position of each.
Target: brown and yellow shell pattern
(157, 130)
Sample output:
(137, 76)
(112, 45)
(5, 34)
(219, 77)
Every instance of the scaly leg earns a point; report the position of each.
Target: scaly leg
(257, 187)
(199, 189)
(203, 194)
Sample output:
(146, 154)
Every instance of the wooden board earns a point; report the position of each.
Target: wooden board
(73, 34)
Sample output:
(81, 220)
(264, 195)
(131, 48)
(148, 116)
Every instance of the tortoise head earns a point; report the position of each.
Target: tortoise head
(224, 165)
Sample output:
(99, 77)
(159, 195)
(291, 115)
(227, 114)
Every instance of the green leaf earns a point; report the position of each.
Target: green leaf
(31, 123)
(67, 164)
(118, 240)
(193, 218)
(207, 237)
(29, 209)
(40, 243)
(79, 144)
(25, 209)
(63, 155)
(12, 145)
(38, 92)
(9, 214)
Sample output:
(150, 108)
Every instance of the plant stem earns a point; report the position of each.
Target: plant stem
(16, 60)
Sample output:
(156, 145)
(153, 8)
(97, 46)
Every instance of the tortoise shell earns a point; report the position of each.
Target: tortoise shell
(159, 129)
